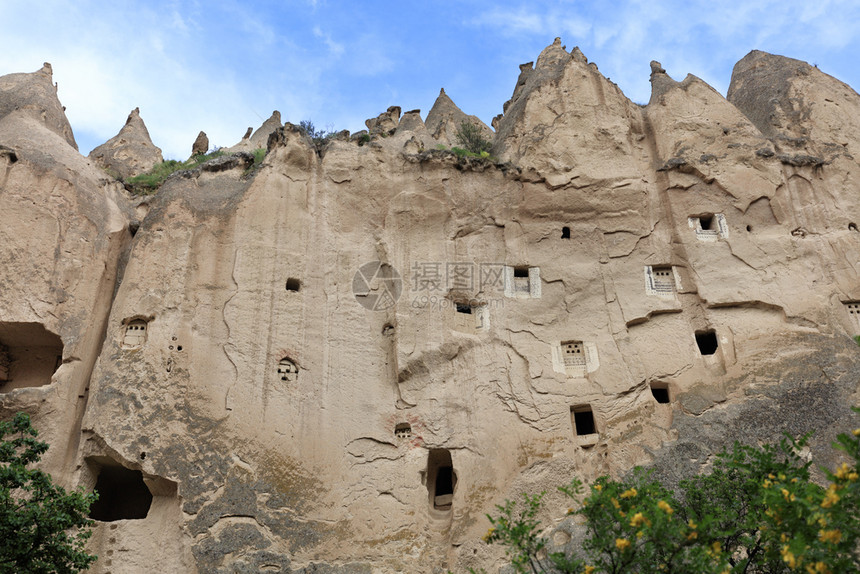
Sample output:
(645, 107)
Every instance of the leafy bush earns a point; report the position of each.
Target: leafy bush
(150, 181)
(43, 528)
(471, 138)
(319, 137)
(756, 511)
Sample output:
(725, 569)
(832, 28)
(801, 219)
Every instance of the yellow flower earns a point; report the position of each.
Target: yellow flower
(588, 569)
(830, 498)
(818, 568)
(788, 557)
(783, 537)
(639, 519)
(622, 544)
(852, 476)
(692, 524)
(629, 493)
(640, 534)
(781, 476)
(571, 511)
(771, 476)
(842, 471)
(716, 547)
(766, 483)
(787, 495)
(598, 488)
(856, 432)
(615, 503)
(664, 506)
(692, 535)
(831, 536)
(489, 535)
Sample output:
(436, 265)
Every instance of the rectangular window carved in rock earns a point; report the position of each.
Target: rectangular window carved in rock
(709, 227)
(707, 342)
(287, 371)
(403, 430)
(660, 392)
(853, 308)
(574, 358)
(135, 334)
(522, 282)
(660, 281)
(471, 317)
(584, 426)
(441, 479)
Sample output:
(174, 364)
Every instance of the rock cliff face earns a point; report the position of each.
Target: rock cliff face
(340, 361)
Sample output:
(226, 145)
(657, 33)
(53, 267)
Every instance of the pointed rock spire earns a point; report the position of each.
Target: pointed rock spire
(130, 152)
(445, 118)
(35, 95)
(260, 138)
(660, 81)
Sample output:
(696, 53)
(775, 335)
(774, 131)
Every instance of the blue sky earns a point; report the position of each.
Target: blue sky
(223, 65)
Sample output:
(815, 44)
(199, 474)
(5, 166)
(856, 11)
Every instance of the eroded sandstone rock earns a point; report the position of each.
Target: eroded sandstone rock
(130, 152)
(625, 285)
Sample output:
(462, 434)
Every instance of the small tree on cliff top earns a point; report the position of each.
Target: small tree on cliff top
(43, 528)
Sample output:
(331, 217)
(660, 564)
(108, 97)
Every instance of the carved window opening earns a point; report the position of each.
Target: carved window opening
(135, 334)
(29, 355)
(565, 232)
(122, 495)
(584, 427)
(707, 342)
(441, 479)
(573, 354)
(660, 281)
(522, 282)
(287, 371)
(293, 284)
(853, 308)
(463, 308)
(660, 392)
(710, 226)
(403, 430)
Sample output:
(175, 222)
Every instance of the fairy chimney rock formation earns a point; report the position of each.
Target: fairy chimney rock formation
(35, 95)
(342, 359)
(130, 152)
(445, 118)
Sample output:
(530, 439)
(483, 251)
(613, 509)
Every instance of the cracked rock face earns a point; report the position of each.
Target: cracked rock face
(341, 360)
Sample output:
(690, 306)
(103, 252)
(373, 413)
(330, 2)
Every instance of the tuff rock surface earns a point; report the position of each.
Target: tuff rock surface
(230, 360)
(130, 152)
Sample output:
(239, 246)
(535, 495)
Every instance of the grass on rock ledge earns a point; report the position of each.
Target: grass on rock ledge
(149, 182)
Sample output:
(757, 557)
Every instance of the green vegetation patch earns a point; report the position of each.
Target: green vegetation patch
(149, 182)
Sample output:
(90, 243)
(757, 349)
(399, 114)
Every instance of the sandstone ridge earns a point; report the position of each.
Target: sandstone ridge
(341, 359)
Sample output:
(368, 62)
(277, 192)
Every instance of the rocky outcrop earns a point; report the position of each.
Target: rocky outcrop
(130, 152)
(200, 145)
(259, 138)
(36, 96)
(445, 118)
(342, 361)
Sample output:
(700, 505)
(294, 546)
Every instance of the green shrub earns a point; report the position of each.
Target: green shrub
(319, 137)
(757, 510)
(470, 137)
